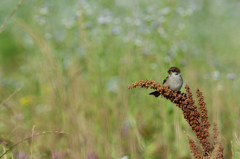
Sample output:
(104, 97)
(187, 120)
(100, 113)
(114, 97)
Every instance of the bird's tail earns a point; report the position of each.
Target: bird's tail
(155, 93)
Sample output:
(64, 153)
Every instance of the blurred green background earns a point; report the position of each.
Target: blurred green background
(73, 60)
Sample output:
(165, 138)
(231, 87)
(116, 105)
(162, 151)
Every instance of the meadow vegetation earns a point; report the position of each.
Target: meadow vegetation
(65, 65)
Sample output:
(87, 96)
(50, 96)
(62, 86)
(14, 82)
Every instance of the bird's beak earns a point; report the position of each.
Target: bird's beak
(170, 72)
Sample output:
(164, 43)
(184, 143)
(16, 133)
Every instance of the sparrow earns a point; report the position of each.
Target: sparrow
(173, 80)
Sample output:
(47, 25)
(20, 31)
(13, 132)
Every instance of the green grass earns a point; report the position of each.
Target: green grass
(74, 60)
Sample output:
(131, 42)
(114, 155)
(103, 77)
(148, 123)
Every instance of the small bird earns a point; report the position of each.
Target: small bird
(173, 80)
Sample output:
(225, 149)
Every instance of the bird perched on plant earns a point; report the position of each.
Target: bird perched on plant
(173, 80)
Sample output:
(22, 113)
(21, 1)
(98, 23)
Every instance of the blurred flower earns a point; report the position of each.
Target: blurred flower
(95, 32)
(193, 5)
(144, 30)
(92, 156)
(42, 21)
(129, 37)
(206, 76)
(117, 21)
(24, 69)
(78, 13)
(21, 155)
(25, 101)
(189, 11)
(126, 127)
(87, 25)
(123, 60)
(68, 23)
(128, 20)
(182, 45)
(124, 157)
(41, 108)
(48, 36)
(137, 22)
(181, 26)
(183, 62)
(161, 19)
(220, 87)
(60, 155)
(150, 9)
(173, 50)
(231, 76)
(43, 10)
(105, 18)
(28, 40)
(116, 30)
(112, 84)
(88, 9)
(153, 66)
(180, 10)
(19, 116)
(167, 59)
(162, 32)
(216, 75)
(186, 12)
(9, 81)
(138, 42)
(145, 51)
(155, 24)
(166, 10)
(59, 35)
(124, 131)
(36, 18)
(148, 18)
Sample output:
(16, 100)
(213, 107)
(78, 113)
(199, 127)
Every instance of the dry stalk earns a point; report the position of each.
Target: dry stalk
(10, 15)
(31, 137)
(197, 120)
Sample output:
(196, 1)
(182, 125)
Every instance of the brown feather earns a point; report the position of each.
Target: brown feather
(165, 79)
(174, 69)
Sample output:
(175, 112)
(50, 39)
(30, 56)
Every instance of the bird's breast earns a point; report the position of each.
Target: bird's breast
(174, 83)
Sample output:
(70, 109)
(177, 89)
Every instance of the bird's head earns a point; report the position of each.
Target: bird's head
(174, 71)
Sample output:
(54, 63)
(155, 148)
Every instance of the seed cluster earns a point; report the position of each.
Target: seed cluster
(218, 146)
(186, 103)
(194, 149)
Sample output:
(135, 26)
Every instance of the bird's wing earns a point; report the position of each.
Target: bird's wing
(165, 80)
(155, 93)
